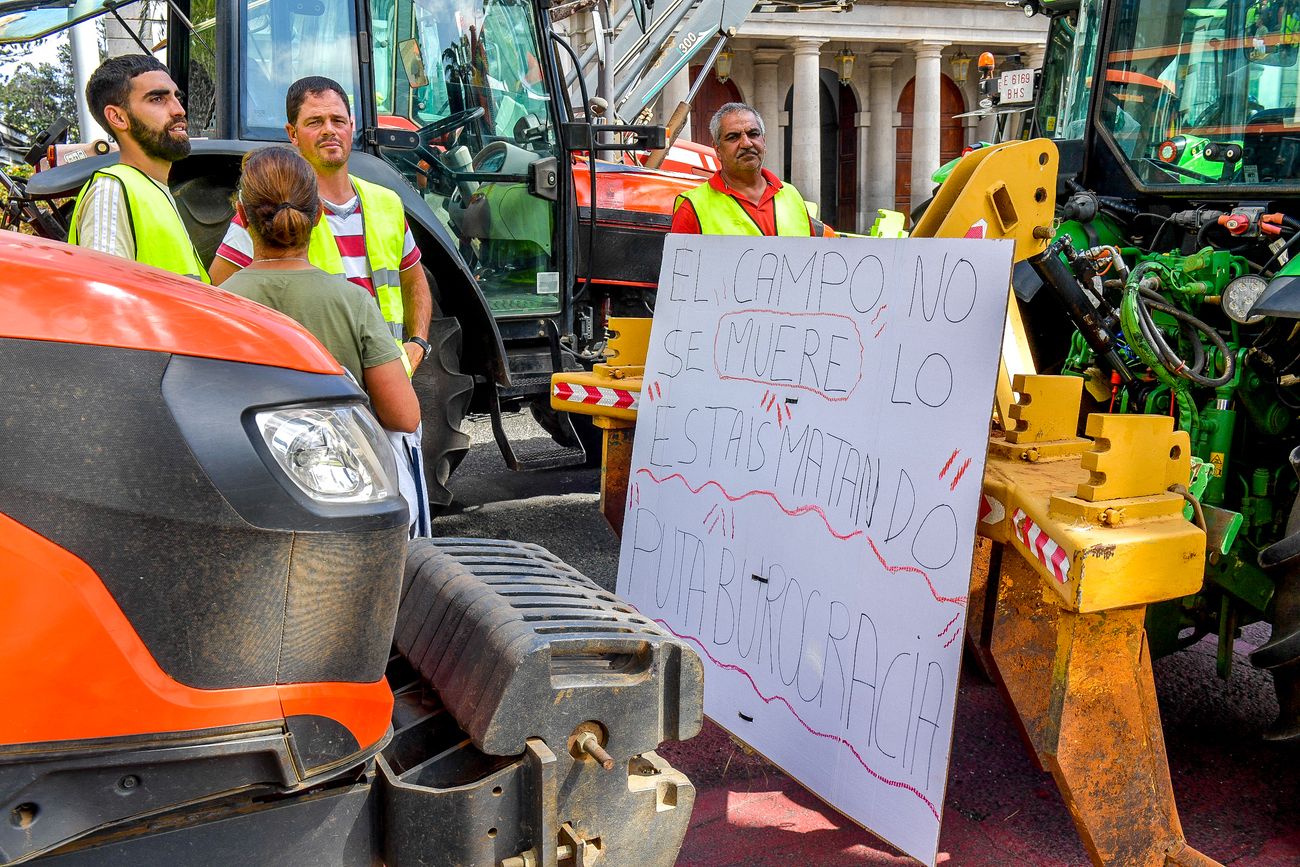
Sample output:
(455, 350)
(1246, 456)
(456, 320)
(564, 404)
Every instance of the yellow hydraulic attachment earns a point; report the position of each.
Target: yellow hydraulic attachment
(1096, 530)
(1100, 536)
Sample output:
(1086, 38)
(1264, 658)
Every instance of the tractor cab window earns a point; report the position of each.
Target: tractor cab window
(1067, 72)
(283, 42)
(201, 76)
(466, 75)
(1207, 96)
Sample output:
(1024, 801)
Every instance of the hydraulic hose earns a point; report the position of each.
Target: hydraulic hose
(1294, 226)
(1148, 341)
(1082, 313)
(1141, 298)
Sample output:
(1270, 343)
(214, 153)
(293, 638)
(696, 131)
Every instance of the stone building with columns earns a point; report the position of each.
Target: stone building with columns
(873, 140)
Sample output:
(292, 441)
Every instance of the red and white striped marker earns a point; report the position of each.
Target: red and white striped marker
(595, 395)
(991, 511)
(1035, 538)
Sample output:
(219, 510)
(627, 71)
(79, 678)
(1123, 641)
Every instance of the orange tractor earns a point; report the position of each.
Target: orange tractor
(218, 648)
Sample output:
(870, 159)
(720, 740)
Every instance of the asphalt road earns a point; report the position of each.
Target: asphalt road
(558, 509)
(1237, 795)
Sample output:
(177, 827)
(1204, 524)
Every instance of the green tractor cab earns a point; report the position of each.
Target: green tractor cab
(1169, 287)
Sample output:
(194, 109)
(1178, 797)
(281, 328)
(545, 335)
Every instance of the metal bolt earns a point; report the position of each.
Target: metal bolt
(24, 815)
(1043, 233)
(130, 781)
(641, 766)
(590, 745)
(1112, 517)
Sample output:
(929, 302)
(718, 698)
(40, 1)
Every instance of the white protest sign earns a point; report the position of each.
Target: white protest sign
(802, 504)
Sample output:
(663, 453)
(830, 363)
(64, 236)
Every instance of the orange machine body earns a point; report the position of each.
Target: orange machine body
(78, 668)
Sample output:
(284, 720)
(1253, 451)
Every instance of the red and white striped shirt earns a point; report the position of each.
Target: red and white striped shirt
(349, 232)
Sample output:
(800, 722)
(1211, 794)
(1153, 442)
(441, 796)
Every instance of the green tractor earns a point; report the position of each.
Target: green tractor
(1178, 123)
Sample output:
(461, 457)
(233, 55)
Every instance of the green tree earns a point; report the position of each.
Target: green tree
(16, 51)
(34, 96)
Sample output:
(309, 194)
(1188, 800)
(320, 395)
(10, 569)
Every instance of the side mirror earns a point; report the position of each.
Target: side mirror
(413, 62)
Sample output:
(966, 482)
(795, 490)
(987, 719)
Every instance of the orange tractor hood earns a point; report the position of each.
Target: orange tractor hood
(52, 291)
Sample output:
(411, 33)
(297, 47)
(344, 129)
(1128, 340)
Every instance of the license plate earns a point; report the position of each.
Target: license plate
(1016, 85)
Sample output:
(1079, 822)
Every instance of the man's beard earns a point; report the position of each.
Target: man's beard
(332, 162)
(159, 144)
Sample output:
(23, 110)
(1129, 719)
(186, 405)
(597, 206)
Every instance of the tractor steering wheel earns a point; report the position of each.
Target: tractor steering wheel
(437, 174)
(439, 128)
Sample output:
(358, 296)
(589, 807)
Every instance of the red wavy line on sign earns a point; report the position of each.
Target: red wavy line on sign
(959, 600)
(897, 784)
(949, 626)
(943, 472)
(954, 637)
(804, 510)
(793, 513)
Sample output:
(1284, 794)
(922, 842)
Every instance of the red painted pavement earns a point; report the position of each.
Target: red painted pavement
(1237, 795)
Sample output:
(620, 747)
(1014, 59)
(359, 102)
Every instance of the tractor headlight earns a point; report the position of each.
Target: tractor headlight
(334, 454)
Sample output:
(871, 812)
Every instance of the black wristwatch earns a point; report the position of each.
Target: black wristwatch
(422, 343)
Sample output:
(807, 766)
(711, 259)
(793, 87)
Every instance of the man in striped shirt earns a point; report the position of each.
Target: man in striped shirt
(320, 125)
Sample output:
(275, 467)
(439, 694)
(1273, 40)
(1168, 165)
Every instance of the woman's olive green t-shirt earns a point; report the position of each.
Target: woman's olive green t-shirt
(343, 316)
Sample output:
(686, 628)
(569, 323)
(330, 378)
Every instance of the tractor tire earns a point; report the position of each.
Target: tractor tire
(1281, 653)
(444, 393)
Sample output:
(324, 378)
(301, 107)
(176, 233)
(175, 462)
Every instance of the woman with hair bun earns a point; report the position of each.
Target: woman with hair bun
(279, 203)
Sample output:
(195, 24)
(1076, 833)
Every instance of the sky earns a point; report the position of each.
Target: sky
(46, 52)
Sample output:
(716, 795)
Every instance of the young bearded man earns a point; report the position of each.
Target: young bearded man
(126, 209)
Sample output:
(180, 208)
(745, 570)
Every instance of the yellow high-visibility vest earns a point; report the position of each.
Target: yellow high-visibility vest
(161, 239)
(720, 214)
(384, 222)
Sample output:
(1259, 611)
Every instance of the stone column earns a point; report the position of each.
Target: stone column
(925, 119)
(866, 215)
(673, 93)
(881, 138)
(767, 101)
(742, 73)
(805, 118)
(1033, 55)
(986, 128)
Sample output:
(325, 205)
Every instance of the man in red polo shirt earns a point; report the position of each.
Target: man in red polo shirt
(742, 197)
